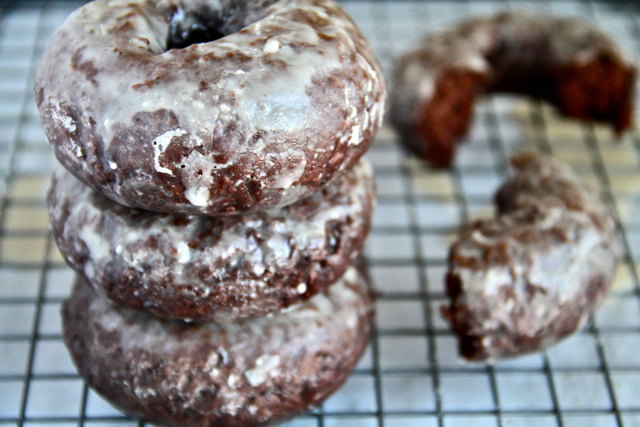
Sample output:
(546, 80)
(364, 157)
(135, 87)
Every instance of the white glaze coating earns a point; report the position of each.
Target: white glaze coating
(165, 258)
(306, 351)
(259, 105)
(561, 270)
(140, 331)
(538, 271)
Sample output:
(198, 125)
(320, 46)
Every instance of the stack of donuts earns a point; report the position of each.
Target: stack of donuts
(213, 202)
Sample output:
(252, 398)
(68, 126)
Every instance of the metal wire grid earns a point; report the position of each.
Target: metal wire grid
(411, 375)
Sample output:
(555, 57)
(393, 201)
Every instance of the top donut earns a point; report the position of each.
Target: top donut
(210, 107)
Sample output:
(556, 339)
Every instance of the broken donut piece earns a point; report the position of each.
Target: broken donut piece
(524, 280)
(567, 62)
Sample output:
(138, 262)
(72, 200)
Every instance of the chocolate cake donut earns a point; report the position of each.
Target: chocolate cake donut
(564, 61)
(209, 107)
(203, 268)
(536, 273)
(246, 373)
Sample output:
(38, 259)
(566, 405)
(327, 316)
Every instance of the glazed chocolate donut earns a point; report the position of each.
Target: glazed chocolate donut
(566, 62)
(536, 273)
(203, 268)
(209, 107)
(246, 373)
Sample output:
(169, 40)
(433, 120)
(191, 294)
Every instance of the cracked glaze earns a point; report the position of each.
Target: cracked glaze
(276, 109)
(196, 267)
(246, 373)
(536, 273)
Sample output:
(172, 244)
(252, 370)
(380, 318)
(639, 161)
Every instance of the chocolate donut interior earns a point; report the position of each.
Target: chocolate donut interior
(600, 89)
(446, 117)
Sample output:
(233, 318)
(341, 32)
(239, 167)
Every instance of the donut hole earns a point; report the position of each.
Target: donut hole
(194, 27)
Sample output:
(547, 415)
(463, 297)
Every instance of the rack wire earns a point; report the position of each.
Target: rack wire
(411, 375)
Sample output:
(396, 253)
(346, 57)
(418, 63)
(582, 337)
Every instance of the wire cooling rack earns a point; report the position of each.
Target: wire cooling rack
(411, 375)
